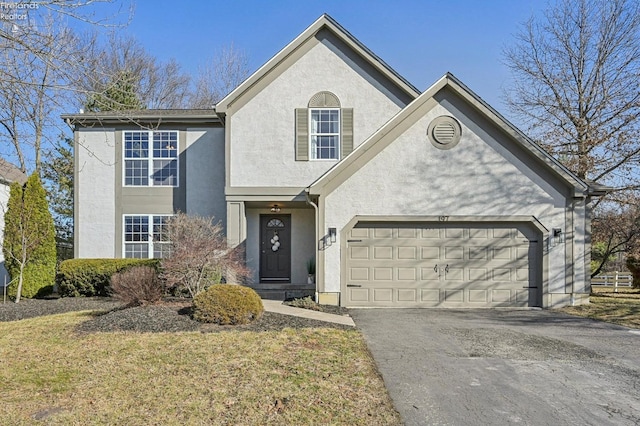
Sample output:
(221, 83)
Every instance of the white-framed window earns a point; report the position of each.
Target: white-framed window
(150, 158)
(145, 236)
(324, 133)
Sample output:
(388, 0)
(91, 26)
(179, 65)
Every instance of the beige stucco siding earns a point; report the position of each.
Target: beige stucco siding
(478, 177)
(95, 193)
(205, 173)
(262, 130)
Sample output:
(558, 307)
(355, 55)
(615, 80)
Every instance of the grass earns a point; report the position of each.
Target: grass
(310, 376)
(622, 308)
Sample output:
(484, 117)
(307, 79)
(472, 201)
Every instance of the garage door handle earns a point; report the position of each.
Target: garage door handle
(354, 285)
(354, 241)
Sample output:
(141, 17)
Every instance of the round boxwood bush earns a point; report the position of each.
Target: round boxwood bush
(226, 304)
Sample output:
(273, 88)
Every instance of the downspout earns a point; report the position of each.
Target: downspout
(317, 253)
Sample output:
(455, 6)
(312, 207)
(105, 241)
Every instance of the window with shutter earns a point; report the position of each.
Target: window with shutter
(324, 130)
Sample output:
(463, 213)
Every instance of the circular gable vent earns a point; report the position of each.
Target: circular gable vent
(444, 132)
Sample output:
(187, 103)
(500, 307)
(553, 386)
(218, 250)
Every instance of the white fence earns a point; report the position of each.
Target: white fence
(615, 280)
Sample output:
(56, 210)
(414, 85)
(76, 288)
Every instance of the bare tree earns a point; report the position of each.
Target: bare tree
(199, 255)
(39, 58)
(575, 86)
(21, 24)
(223, 73)
(156, 84)
(25, 108)
(616, 229)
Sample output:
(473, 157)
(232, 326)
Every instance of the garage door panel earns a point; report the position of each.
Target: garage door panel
(522, 295)
(456, 295)
(359, 233)
(478, 253)
(382, 252)
(359, 274)
(430, 233)
(407, 233)
(385, 233)
(501, 253)
(522, 274)
(454, 233)
(502, 233)
(438, 265)
(430, 295)
(430, 253)
(482, 234)
(410, 253)
(454, 274)
(477, 274)
(382, 274)
(453, 253)
(407, 295)
(407, 274)
(500, 296)
(359, 252)
(502, 275)
(478, 296)
(358, 295)
(382, 294)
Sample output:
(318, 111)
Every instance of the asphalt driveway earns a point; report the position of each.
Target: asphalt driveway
(496, 367)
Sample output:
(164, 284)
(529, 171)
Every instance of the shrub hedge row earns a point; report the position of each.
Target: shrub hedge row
(92, 277)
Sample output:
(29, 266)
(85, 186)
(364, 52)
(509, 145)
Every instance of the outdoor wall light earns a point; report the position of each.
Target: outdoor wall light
(557, 235)
(275, 209)
(332, 235)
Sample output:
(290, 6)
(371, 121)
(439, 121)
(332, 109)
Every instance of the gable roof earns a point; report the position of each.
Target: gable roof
(323, 22)
(373, 145)
(10, 173)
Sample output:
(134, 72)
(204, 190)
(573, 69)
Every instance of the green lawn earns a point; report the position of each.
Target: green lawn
(308, 376)
(622, 308)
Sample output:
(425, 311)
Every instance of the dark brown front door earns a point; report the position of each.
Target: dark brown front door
(275, 248)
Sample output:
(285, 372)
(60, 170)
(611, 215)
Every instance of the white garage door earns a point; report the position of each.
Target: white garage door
(442, 265)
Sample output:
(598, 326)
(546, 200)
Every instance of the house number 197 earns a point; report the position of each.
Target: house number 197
(443, 218)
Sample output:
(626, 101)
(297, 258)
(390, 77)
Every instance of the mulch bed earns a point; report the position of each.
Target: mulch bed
(167, 316)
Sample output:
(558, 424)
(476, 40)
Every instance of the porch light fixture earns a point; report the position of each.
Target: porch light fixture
(557, 235)
(275, 209)
(332, 235)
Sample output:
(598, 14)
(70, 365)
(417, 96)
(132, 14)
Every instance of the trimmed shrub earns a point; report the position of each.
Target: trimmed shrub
(136, 286)
(92, 277)
(226, 304)
(633, 265)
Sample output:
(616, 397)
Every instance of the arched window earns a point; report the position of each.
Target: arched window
(324, 130)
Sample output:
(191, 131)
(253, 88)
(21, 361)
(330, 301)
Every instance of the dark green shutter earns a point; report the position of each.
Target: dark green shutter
(302, 134)
(347, 131)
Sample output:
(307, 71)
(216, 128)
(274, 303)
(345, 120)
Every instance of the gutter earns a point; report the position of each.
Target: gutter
(317, 251)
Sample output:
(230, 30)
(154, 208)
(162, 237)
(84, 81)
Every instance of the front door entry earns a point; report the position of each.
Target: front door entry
(275, 248)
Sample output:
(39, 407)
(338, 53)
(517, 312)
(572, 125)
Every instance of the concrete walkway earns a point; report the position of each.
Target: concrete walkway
(278, 307)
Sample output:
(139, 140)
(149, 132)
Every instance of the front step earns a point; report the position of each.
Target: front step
(283, 291)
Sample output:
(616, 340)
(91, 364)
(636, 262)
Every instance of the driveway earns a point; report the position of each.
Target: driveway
(496, 367)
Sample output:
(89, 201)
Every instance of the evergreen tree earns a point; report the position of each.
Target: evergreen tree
(29, 240)
(57, 175)
(120, 95)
